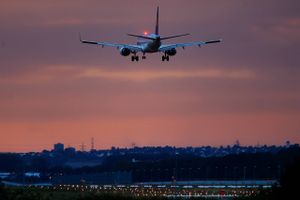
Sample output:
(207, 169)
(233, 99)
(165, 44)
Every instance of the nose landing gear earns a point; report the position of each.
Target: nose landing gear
(134, 58)
(165, 57)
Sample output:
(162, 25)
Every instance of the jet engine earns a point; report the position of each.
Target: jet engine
(125, 51)
(171, 52)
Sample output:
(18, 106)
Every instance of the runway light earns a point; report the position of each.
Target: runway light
(145, 33)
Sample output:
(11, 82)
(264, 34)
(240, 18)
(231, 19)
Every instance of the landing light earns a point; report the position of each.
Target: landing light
(145, 33)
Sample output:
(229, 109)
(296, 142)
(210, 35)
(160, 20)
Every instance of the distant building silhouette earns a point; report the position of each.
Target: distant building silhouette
(59, 147)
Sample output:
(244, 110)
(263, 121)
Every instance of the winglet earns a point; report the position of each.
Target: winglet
(80, 37)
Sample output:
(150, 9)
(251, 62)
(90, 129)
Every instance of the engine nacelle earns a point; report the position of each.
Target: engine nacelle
(171, 52)
(125, 51)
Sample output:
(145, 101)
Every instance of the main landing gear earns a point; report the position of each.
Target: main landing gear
(144, 56)
(137, 58)
(165, 57)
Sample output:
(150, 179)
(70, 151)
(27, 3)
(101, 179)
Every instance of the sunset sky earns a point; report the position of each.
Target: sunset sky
(55, 89)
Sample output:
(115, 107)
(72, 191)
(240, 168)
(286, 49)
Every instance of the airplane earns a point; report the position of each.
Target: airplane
(151, 43)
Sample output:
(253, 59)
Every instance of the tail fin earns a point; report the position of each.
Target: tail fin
(157, 22)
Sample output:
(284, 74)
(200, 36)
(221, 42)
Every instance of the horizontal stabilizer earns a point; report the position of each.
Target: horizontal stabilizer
(174, 36)
(141, 36)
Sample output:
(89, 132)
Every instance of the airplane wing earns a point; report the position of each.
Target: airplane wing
(167, 47)
(134, 48)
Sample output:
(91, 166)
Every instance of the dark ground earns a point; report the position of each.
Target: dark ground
(288, 190)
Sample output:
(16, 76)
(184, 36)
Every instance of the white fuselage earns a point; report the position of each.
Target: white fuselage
(150, 46)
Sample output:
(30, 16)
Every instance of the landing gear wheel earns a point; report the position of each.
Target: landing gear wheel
(143, 57)
(163, 58)
(167, 58)
(134, 58)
